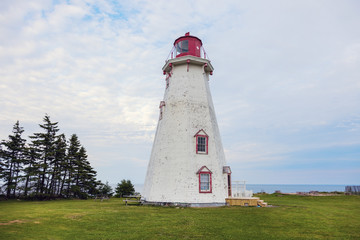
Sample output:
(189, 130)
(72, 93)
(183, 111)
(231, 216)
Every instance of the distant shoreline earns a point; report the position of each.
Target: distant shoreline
(283, 188)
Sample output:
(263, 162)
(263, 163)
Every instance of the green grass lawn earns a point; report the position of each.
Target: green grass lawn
(294, 217)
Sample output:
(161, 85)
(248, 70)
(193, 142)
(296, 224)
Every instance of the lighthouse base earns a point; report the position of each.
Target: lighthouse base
(177, 204)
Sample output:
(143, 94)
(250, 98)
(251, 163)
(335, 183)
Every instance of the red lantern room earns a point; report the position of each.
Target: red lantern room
(187, 45)
(187, 49)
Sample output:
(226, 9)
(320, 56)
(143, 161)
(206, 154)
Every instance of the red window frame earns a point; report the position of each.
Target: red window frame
(206, 144)
(210, 183)
(205, 170)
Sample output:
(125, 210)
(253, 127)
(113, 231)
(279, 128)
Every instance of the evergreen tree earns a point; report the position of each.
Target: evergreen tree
(81, 177)
(44, 143)
(47, 167)
(31, 170)
(105, 189)
(58, 164)
(12, 156)
(72, 165)
(124, 188)
(2, 167)
(86, 175)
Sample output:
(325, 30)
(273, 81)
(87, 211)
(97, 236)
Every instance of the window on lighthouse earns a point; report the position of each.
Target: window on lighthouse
(182, 47)
(204, 182)
(201, 142)
(205, 185)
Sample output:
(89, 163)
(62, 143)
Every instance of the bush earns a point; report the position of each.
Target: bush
(124, 188)
(105, 190)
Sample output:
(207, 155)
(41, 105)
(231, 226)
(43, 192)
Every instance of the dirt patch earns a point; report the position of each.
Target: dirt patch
(12, 222)
(75, 216)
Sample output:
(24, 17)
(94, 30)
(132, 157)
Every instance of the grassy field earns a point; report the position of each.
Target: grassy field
(293, 217)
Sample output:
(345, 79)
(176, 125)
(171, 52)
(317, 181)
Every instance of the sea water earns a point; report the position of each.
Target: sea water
(293, 188)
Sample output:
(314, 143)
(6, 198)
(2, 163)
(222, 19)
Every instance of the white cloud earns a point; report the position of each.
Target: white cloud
(286, 73)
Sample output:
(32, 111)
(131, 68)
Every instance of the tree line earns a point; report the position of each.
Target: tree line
(122, 189)
(48, 166)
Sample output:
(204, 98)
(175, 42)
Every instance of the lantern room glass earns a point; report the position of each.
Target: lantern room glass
(182, 47)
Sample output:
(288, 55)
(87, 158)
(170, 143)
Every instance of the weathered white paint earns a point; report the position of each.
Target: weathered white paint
(171, 175)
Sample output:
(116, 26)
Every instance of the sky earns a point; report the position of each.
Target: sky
(286, 84)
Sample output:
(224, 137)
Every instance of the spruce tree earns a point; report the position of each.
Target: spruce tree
(58, 165)
(13, 155)
(31, 170)
(86, 175)
(105, 190)
(44, 143)
(48, 167)
(72, 165)
(2, 167)
(81, 176)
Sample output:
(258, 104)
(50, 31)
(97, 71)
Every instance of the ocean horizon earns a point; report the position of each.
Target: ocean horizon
(284, 188)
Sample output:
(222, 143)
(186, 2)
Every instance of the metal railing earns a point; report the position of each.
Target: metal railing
(239, 189)
(173, 54)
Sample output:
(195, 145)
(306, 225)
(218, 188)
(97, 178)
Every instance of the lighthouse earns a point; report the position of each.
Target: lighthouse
(187, 164)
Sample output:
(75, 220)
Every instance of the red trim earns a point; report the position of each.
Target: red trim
(229, 184)
(204, 66)
(170, 71)
(187, 37)
(206, 142)
(167, 79)
(197, 133)
(162, 104)
(210, 187)
(202, 168)
(194, 45)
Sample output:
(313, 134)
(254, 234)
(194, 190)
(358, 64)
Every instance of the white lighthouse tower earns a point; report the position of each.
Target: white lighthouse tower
(187, 164)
